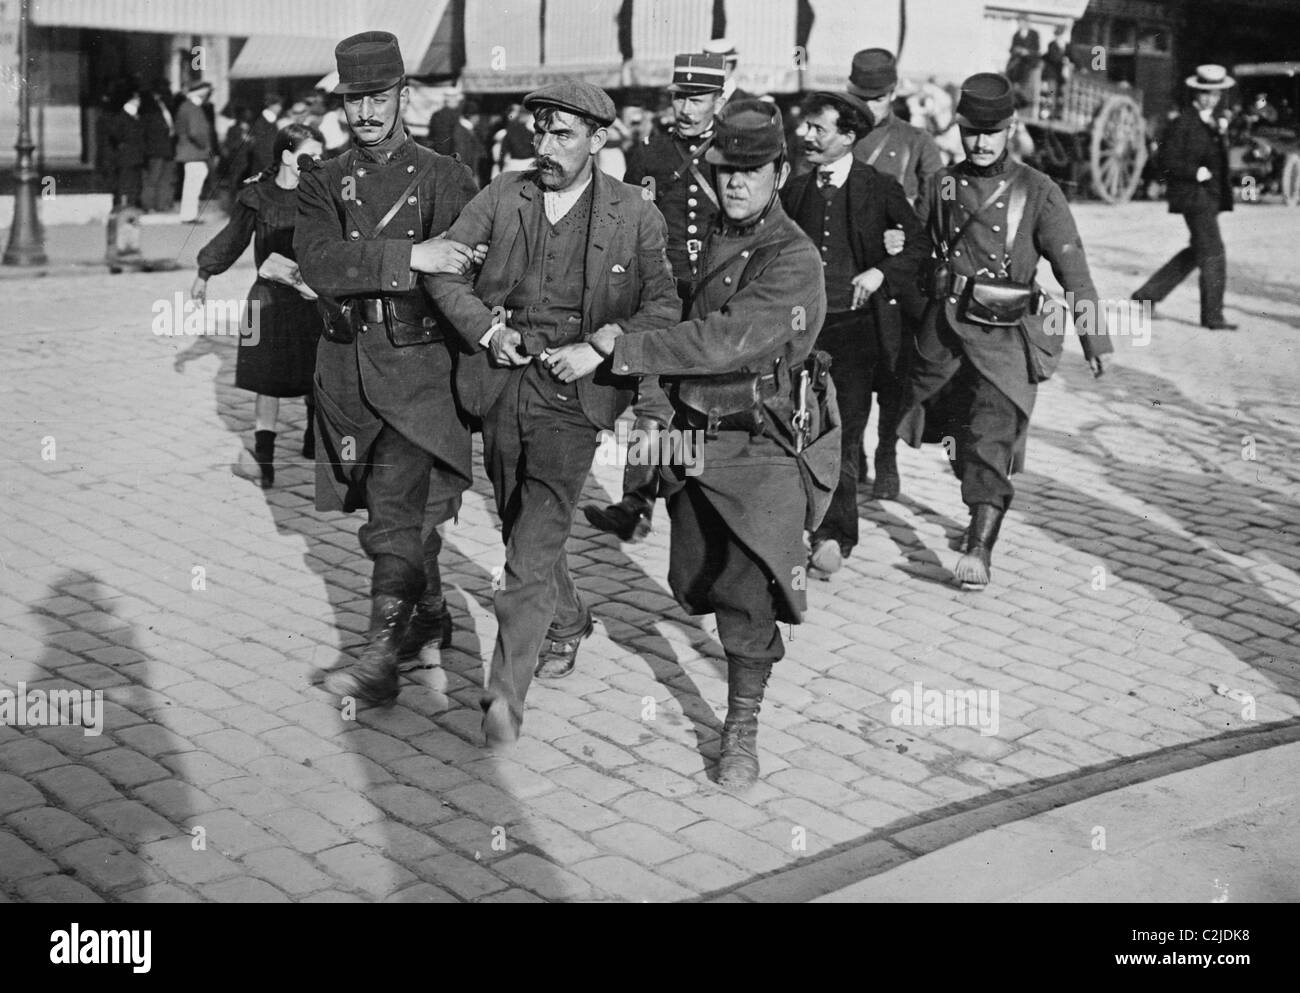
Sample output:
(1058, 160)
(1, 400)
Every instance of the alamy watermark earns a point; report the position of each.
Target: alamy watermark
(628, 445)
(53, 708)
(1123, 317)
(919, 707)
(182, 316)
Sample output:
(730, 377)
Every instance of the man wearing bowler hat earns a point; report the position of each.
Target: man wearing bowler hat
(1194, 159)
(569, 251)
(986, 340)
(391, 439)
(672, 167)
(730, 370)
(845, 207)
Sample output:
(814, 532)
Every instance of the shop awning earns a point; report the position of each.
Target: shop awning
(246, 18)
(425, 48)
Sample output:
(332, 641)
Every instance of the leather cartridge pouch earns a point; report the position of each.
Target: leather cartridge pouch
(409, 322)
(728, 402)
(998, 303)
(336, 318)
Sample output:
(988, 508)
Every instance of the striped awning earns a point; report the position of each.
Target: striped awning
(415, 25)
(246, 18)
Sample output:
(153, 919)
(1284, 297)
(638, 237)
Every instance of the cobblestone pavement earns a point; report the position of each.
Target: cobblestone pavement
(1149, 561)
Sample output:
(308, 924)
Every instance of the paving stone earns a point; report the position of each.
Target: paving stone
(27, 756)
(627, 880)
(286, 870)
(242, 890)
(463, 877)
(304, 830)
(130, 821)
(365, 869)
(543, 878)
(57, 889)
(15, 794)
(76, 787)
(105, 864)
(19, 860)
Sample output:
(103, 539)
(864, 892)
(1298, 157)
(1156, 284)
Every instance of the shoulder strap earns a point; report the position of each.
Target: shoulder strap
(687, 163)
(401, 198)
(871, 159)
(961, 231)
(1015, 212)
(764, 251)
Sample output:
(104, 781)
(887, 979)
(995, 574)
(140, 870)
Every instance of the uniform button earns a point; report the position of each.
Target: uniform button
(694, 189)
(992, 255)
(1000, 205)
(691, 229)
(410, 234)
(623, 368)
(692, 215)
(365, 328)
(694, 147)
(892, 154)
(956, 253)
(361, 172)
(394, 282)
(964, 183)
(826, 233)
(354, 235)
(410, 168)
(952, 299)
(996, 228)
(823, 252)
(358, 203)
(410, 199)
(692, 202)
(745, 254)
(726, 280)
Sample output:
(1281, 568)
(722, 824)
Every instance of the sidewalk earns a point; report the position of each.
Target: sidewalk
(78, 249)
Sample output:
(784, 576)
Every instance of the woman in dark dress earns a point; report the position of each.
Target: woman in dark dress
(280, 359)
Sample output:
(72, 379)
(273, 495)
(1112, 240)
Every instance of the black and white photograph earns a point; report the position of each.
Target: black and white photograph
(650, 452)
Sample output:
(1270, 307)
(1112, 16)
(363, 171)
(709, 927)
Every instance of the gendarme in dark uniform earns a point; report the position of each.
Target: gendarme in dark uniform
(391, 437)
(900, 150)
(977, 366)
(737, 526)
(685, 190)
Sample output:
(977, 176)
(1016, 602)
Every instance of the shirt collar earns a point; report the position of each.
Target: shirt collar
(839, 170)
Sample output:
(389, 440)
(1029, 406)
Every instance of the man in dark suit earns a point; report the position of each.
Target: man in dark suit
(125, 136)
(845, 207)
(261, 135)
(390, 437)
(1194, 159)
(570, 250)
(1026, 52)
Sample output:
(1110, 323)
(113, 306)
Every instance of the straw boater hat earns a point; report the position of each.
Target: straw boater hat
(1210, 77)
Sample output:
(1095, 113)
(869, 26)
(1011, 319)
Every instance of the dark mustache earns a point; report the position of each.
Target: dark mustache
(370, 124)
(547, 164)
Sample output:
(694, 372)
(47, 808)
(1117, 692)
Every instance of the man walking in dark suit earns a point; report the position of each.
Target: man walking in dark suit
(845, 207)
(570, 250)
(1194, 158)
(390, 438)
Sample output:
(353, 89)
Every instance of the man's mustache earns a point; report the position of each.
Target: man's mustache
(369, 124)
(548, 164)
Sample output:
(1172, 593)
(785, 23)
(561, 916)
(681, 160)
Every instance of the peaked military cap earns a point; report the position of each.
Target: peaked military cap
(698, 72)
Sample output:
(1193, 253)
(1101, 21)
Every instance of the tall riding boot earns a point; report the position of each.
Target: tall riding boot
(630, 518)
(264, 452)
(373, 677)
(974, 567)
(1214, 281)
(309, 433)
(429, 620)
(738, 765)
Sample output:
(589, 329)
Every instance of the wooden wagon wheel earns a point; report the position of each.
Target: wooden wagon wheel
(1119, 149)
(1291, 180)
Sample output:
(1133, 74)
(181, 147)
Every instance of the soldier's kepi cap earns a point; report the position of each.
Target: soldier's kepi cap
(987, 102)
(749, 133)
(873, 74)
(575, 97)
(369, 62)
(698, 72)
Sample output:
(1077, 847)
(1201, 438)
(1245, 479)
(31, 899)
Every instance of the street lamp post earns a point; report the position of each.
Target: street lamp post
(26, 238)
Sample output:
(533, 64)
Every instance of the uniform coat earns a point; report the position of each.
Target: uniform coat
(1188, 144)
(945, 341)
(902, 152)
(686, 206)
(369, 382)
(876, 204)
(750, 481)
(628, 282)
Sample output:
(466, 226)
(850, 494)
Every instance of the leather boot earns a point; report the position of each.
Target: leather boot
(1214, 281)
(887, 481)
(974, 568)
(373, 677)
(630, 518)
(738, 764)
(264, 452)
(430, 620)
(309, 433)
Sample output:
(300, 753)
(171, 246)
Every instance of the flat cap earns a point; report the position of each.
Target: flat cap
(576, 97)
(369, 62)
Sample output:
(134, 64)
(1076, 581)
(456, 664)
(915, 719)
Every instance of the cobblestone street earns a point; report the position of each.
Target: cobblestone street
(1160, 624)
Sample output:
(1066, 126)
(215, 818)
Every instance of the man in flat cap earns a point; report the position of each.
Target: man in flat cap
(671, 165)
(570, 250)
(1194, 160)
(908, 154)
(732, 371)
(845, 206)
(989, 335)
(391, 438)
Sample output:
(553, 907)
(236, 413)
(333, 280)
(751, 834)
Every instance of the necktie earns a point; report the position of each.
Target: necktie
(826, 189)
